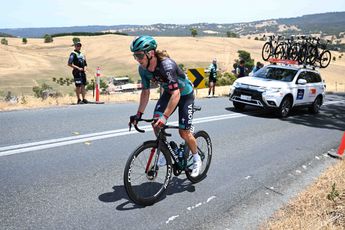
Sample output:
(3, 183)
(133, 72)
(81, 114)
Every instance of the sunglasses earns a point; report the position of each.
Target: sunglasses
(139, 56)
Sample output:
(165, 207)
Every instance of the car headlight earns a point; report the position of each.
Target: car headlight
(236, 84)
(269, 89)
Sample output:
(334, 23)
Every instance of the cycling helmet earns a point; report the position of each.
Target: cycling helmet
(143, 43)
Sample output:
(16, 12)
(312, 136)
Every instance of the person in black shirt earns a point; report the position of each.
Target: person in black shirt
(241, 70)
(78, 62)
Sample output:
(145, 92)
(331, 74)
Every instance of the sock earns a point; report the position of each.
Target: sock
(196, 157)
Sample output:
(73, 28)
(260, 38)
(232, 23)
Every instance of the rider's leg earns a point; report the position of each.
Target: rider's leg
(185, 123)
(188, 137)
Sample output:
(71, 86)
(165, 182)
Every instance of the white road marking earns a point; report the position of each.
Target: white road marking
(171, 219)
(53, 143)
(211, 198)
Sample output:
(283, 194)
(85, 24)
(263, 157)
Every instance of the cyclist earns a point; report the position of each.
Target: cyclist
(156, 66)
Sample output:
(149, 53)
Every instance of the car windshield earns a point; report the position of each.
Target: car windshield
(279, 74)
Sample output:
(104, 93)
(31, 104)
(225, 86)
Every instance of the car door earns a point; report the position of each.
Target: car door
(313, 86)
(301, 94)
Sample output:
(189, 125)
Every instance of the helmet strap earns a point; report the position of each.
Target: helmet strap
(148, 58)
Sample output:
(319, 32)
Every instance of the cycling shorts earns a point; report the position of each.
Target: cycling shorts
(185, 109)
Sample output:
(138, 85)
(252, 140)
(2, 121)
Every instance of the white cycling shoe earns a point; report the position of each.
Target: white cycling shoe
(196, 168)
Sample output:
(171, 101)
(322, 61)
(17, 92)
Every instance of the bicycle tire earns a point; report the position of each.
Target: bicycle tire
(205, 151)
(280, 51)
(324, 61)
(150, 190)
(266, 52)
(312, 54)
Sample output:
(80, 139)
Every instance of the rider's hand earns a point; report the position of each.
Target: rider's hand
(161, 121)
(134, 119)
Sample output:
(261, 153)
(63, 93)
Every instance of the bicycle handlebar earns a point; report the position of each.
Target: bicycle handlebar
(195, 108)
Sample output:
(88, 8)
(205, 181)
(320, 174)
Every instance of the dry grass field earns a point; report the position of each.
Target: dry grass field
(24, 66)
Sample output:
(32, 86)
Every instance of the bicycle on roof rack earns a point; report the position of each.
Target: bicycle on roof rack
(269, 50)
(305, 50)
(150, 166)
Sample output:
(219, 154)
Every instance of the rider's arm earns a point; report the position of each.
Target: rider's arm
(144, 100)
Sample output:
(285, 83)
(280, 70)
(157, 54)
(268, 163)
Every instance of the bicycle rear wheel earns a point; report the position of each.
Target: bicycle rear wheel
(266, 52)
(145, 180)
(325, 58)
(205, 151)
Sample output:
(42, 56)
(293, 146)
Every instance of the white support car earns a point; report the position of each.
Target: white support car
(281, 87)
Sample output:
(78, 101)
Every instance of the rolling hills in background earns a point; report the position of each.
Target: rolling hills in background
(23, 66)
(327, 23)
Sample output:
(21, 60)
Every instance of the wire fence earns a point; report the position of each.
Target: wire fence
(336, 86)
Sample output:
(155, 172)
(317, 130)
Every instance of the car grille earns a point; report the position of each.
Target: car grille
(256, 97)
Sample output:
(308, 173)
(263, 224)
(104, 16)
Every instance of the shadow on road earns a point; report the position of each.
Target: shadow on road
(331, 116)
(176, 185)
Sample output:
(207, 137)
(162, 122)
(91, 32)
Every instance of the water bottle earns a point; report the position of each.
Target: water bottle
(174, 147)
(181, 152)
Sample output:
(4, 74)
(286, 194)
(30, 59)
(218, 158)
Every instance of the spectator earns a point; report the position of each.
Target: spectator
(78, 62)
(212, 77)
(240, 70)
(258, 66)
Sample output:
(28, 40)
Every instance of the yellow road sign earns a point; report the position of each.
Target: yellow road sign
(197, 76)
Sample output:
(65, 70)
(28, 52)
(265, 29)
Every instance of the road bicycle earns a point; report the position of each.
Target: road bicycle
(269, 49)
(146, 178)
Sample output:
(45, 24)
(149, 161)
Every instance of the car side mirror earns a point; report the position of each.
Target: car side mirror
(301, 82)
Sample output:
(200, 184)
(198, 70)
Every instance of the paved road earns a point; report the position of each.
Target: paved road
(62, 168)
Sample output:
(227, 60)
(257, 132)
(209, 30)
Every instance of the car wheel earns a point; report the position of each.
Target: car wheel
(238, 105)
(315, 107)
(285, 107)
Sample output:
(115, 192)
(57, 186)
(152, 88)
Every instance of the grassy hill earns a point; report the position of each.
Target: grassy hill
(24, 66)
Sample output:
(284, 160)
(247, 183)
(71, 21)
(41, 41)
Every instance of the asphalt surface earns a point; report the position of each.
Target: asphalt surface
(62, 168)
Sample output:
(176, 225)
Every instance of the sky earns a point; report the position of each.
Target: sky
(61, 13)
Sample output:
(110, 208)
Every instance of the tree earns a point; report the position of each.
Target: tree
(76, 40)
(25, 40)
(194, 32)
(231, 34)
(248, 61)
(48, 38)
(4, 41)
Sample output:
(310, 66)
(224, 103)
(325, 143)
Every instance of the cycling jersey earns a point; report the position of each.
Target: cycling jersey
(213, 72)
(169, 75)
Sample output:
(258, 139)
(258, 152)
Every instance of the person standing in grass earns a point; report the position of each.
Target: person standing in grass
(212, 77)
(77, 61)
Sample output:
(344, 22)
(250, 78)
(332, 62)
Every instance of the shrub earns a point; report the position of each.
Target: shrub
(75, 40)
(48, 38)
(4, 41)
(45, 91)
(25, 40)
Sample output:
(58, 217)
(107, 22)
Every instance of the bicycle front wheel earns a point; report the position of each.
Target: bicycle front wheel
(147, 174)
(266, 51)
(204, 144)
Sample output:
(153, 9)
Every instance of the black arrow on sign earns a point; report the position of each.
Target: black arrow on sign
(198, 77)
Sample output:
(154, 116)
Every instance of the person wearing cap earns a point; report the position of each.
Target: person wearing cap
(77, 62)
(212, 77)
(156, 66)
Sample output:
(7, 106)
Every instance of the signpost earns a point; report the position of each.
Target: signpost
(197, 77)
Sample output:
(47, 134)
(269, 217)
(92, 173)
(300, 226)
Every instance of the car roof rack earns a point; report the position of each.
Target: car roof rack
(275, 61)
